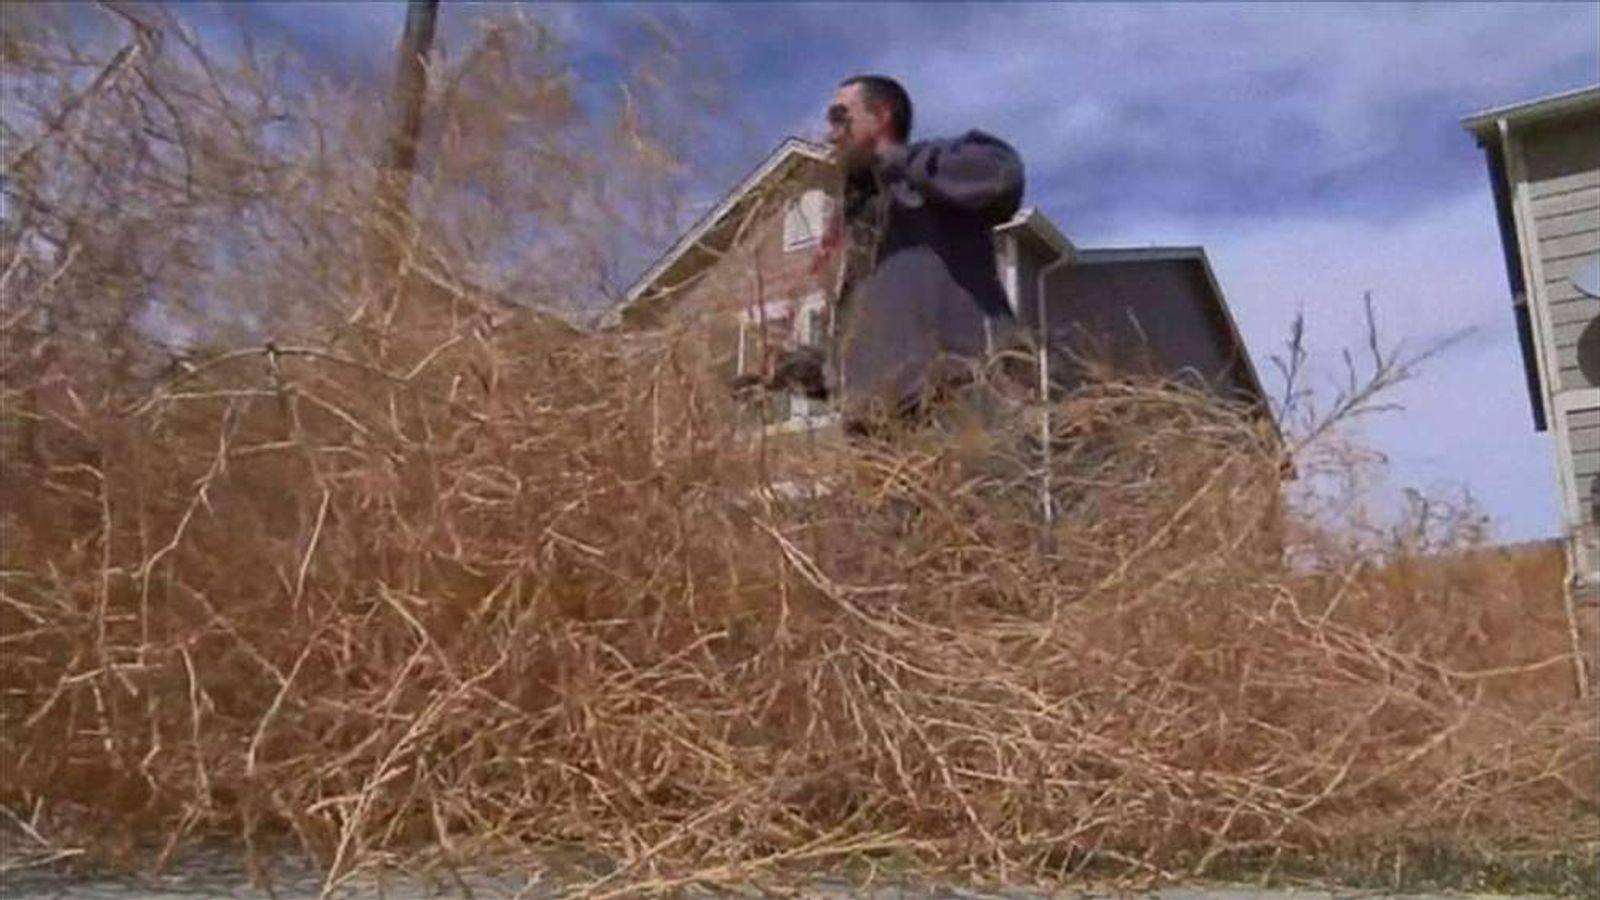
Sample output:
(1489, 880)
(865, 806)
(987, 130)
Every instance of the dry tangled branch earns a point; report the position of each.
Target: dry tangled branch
(476, 588)
(316, 600)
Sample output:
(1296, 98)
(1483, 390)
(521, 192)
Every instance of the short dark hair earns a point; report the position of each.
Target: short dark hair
(881, 90)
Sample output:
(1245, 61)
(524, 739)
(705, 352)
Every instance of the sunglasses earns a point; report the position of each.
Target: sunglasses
(838, 116)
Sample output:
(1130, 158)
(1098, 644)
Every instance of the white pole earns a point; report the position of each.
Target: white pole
(1047, 504)
(1046, 497)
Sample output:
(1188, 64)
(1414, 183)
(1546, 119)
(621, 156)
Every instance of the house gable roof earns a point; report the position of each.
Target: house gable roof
(1218, 308)
(689, 253)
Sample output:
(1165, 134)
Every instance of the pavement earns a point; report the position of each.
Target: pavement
(220, 884)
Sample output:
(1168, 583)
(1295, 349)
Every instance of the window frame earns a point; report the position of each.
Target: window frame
(795, 211)
(804, 413)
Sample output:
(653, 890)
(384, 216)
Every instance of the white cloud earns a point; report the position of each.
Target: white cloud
(1057, 76)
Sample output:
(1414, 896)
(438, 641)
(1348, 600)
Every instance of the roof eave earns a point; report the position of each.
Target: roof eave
(1198, 255)
(1032, 220)
(1485, 124)
(1141, 254)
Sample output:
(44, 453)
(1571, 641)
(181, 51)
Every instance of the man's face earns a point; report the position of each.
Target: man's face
(855, 128)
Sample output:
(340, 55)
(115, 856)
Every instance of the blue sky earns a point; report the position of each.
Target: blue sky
(1313, 150)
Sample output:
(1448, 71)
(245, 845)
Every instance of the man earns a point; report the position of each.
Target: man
(921, 298)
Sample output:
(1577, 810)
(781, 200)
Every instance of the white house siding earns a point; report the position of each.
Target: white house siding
(1583, 434)
(1563, 170)
(1561, 165)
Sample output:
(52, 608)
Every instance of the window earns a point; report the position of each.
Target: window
(783, 325)
(804, 219)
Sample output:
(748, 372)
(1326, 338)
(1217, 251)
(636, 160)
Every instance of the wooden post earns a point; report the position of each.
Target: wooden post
(398, 162)
(410, 87)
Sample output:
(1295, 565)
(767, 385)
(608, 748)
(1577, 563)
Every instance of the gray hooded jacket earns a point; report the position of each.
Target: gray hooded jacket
(921, 283)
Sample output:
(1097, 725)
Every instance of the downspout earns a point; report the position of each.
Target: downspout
(1046, 498)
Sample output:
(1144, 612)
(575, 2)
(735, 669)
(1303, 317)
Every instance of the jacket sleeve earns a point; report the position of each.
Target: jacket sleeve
(975, 172)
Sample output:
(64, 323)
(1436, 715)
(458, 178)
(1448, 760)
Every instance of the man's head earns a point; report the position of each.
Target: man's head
(869, 114)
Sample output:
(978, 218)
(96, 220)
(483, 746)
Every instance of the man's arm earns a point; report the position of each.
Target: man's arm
(975, 172)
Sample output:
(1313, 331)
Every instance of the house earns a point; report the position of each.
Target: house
(1543, 157)
(1156, 309)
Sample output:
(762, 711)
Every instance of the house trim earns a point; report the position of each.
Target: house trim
(1523, 228)
(813, 235)
(1010, 254)
(1552, 106)
(1039, 224)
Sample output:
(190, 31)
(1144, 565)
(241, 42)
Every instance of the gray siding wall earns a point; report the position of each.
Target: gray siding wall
(1563, 169)
(1144, 317)
(1583, 428)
